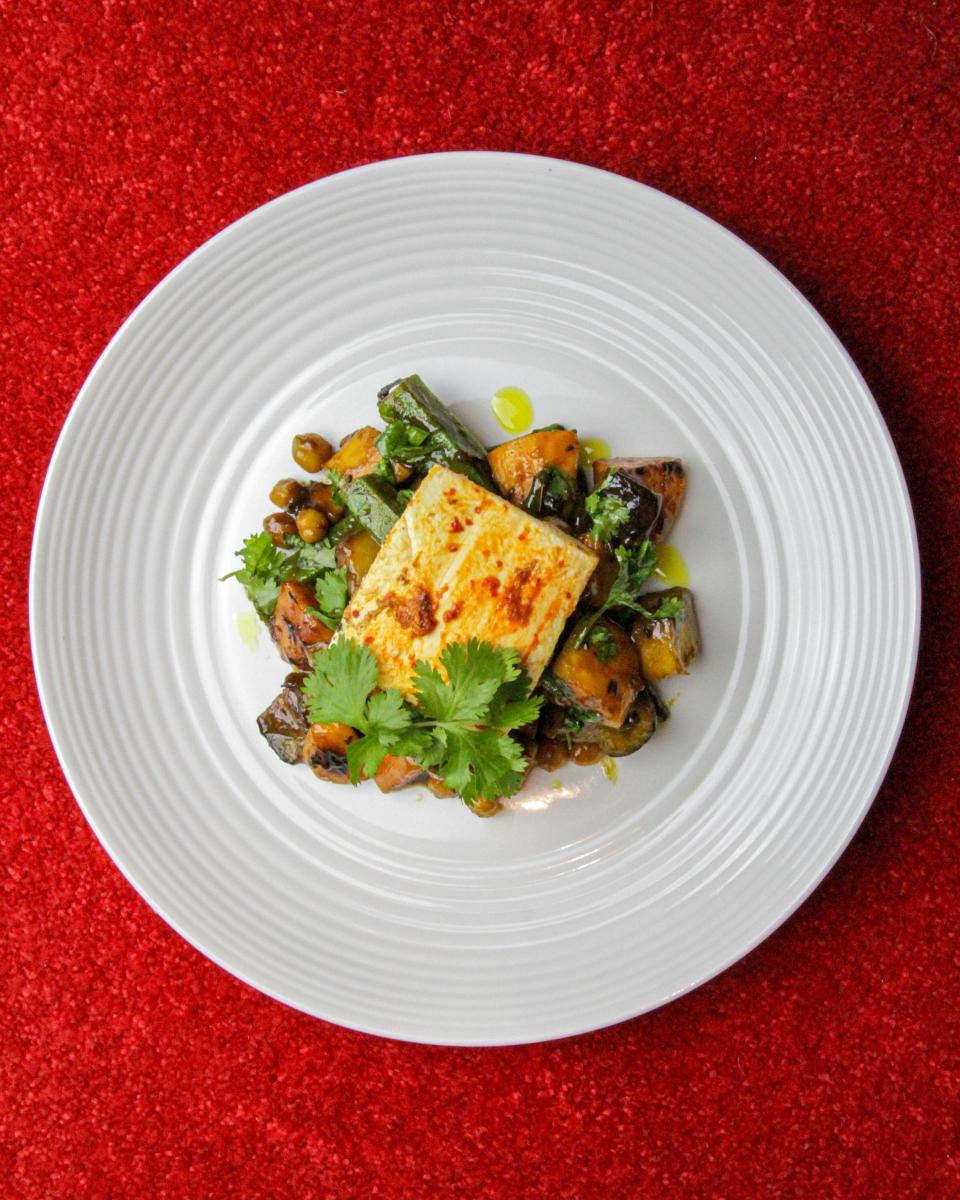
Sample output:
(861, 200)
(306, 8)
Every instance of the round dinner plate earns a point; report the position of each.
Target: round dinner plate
(623, 313)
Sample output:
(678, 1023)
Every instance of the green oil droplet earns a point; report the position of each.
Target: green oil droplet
(593, 448)
(248, 626)
(513, 409)
(671, 569)
(557, 785)
(609, 768)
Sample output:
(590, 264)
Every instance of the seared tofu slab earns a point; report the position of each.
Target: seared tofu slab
(462, 563)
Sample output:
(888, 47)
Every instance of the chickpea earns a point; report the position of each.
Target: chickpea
(280, 526)
(486, 808)
(311, 451)
(311, 524)
(551, 755)
(288, 494)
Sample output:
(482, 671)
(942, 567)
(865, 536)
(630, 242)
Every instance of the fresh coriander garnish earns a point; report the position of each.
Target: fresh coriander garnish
(266, 567)
(332, 595)
(336, 483)
(608, 514)
(260, 574)
(634, 568)
(456, 726)
(602, 643)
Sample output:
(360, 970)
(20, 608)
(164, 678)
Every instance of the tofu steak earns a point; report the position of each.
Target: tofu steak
(462, 563)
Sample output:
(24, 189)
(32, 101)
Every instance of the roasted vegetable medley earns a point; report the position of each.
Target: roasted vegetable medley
(457, 616)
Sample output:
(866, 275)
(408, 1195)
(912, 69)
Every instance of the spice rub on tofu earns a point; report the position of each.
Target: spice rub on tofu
(462, 563)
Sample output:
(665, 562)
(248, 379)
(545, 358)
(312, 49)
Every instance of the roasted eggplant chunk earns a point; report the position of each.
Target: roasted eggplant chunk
(295, 630)
(285, 723)
(573, 727)
(622, 511)
(602, 676)
(665, 476)
(325, 751)
(668, 646)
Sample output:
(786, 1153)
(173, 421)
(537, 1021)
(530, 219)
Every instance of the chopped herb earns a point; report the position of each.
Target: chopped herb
(336, 483)
(260, 574)
(332, 595)
(634, 568)
(457, 725)
(602, 643)
(266, 566)
(607, 514)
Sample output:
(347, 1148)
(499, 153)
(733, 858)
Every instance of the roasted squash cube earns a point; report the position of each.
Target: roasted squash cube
(325, 751)
(396, 771)
(358, 455)
(603, 675)
(516, 464)
(357, 553)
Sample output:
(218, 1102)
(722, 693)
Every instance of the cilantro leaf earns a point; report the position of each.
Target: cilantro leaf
(320, 556)
(602, 644)
(364, 756)
(635, 565)
(512, 706)
(336, 483)
(387, 714)
(482, 764)
(671, 607)
(332, 595)
(261, 572)
(474, 672)
(260, 556)
(457, 728)
(337, 688)
(266, 566)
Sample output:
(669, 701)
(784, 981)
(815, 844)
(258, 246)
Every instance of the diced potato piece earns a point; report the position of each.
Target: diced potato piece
(668, 646)
(296, 632)
(516, 464)
(357, 553)
(325, 751)
(602, 676)
(397, 772)
(665, 476)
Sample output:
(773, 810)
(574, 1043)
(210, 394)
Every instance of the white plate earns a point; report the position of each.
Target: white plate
(622, 312)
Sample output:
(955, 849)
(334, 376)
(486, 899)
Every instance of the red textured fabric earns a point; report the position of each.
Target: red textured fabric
(825, 1065)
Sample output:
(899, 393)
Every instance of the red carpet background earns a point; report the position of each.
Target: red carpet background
(826, 1064)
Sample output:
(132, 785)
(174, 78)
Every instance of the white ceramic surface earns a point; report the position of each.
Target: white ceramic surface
(622, 312)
